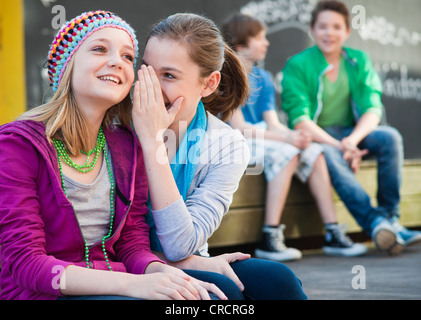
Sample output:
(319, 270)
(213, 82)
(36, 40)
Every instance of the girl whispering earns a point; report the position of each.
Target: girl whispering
(189, 81)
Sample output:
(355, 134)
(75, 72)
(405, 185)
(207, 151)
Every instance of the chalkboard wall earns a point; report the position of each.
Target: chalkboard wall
(388, 31)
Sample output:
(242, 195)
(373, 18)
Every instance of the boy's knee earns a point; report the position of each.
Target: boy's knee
(389, 136)
(395, 135)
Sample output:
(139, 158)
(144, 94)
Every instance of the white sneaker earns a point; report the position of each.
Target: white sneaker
(385, 237)
(272, 246)
(339, 244)
(408, 236)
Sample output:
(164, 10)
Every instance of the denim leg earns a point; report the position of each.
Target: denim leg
(386, 144)
(268, 280)
(349, 189)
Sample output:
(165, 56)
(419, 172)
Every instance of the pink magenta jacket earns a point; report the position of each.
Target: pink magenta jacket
(39, 232)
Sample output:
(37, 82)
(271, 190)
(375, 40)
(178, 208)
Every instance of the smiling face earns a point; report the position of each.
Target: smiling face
(178, 75)
(330, 32)
(103, 70)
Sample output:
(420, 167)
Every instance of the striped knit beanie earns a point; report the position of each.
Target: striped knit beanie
(73, 33)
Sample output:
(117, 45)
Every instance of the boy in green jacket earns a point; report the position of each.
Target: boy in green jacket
(334, 93)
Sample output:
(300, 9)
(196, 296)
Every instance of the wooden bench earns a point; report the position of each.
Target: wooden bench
(243, 223)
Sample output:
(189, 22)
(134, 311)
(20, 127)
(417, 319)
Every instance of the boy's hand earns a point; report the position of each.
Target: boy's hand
(300, 139)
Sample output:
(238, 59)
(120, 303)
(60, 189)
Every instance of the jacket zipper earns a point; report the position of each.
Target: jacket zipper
(353, 62)
(81, 234)
(98, 242)
(319, 93)
(126, 202)
(112, 236)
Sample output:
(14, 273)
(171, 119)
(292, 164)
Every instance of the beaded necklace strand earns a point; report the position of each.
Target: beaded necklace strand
(86, 167)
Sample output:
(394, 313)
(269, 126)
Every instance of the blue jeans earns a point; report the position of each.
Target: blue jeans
(385, 144)
(262, 280)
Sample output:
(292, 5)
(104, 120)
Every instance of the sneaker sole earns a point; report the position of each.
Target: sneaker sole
(413, 241)
(386, 241)
(345, 252)
(275, 256)
(396, 249)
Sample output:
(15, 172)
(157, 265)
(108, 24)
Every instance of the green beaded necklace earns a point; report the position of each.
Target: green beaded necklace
(86, 167)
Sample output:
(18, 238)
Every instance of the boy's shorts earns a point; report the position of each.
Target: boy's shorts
(275, 155)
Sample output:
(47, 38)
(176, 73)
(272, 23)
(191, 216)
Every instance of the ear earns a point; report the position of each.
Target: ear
(211, 83)
(240, 48)
(311, 33)
(348, 32)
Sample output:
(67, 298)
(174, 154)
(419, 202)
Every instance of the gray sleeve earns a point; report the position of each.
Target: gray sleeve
(184, 227)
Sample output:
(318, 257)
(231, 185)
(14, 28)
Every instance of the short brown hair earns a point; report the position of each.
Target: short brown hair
(330, 5)
(239, 28)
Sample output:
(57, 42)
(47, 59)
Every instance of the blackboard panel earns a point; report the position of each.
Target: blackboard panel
(388, 31)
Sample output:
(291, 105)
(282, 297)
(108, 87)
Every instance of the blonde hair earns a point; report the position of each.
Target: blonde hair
(64, 120)
(209, 51)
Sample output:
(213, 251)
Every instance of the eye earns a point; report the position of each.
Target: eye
(128, 57)
(169, 76)
(99, 49)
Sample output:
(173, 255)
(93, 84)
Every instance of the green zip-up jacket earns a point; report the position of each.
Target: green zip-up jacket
(302, 86)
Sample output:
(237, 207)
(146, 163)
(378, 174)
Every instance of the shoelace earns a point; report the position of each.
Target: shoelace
(339, 235)
(276, 238)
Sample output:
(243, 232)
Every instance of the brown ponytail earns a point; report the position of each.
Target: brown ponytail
(209, 51)
(233, 89)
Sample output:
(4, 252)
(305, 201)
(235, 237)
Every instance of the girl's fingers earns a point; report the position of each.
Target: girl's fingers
(188, 290)
(136, 95)
(206, 287)
(143, 90)
(175, 107)
(157, 87)
(149, 85)
(236, 256)
(203, 293)
(151, 91)
(229, 272)
(171, 294)
(183, 287)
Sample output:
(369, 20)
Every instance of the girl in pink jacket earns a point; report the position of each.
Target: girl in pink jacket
(73, 186)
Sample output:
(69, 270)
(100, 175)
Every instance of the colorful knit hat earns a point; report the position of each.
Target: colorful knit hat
(73, 33)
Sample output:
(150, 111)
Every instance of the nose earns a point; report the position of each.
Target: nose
(329, 31)
(115, 60)
(267, 43)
